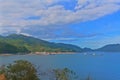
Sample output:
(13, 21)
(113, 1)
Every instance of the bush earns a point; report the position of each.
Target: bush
(20, 70)
(24, 70)
(64, 74)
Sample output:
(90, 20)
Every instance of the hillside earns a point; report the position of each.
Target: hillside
(25, 44)
(8, 48)
(110, 48)
(20, 43)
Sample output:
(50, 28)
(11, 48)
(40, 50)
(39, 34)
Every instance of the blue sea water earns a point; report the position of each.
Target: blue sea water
(99, 65)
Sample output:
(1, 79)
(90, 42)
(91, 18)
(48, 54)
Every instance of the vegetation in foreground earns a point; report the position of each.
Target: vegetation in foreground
(24, 70)
(19, 70)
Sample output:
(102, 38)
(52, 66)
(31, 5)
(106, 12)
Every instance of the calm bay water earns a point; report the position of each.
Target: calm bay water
(99, 67)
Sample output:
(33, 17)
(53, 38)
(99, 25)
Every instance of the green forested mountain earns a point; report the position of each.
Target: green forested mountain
(8, 48)
(23, 44)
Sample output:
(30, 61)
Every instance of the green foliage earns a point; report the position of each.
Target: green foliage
(24, 70)
(20, 70)
(9, 48)
(20, 44)
(64, 74)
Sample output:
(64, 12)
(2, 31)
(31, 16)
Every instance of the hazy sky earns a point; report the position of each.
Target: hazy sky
(86, 23)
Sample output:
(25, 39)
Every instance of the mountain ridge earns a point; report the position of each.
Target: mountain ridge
(18, 43)
(31, 44)
(109, 48)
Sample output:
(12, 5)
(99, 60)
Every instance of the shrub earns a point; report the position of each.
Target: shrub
(64, 74)
(20, 70)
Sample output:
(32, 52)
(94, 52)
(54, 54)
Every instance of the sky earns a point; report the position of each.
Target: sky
(86, 23)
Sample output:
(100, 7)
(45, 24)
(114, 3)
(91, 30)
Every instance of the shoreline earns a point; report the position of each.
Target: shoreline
(39, 53)
(6, 54)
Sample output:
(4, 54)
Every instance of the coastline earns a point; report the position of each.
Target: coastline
(6, 54)
(38, 53)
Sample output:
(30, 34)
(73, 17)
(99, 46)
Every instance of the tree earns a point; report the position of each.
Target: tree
(20, 70)
(64, 74)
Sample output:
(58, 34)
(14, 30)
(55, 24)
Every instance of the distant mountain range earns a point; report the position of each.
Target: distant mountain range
(110, 48)
(25, 44)
(106, 48)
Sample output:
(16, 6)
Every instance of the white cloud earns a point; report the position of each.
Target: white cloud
(14, 12)
(26, 34)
